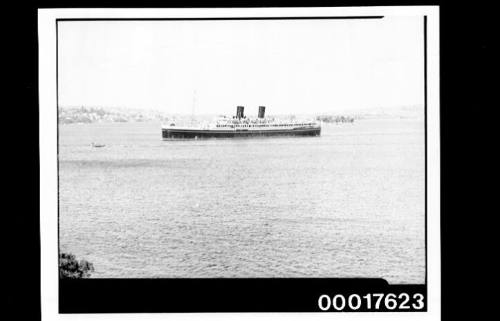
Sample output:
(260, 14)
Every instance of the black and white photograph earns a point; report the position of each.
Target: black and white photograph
(244, 144)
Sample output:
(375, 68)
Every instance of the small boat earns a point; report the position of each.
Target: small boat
(97, 145)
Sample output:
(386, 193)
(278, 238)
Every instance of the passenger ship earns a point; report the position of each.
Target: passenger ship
(242, 126)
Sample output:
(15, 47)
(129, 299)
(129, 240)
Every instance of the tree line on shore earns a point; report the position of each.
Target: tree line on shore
(335, 119)
(86, 115)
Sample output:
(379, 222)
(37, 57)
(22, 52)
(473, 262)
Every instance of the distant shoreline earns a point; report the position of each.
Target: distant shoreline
(88, 115)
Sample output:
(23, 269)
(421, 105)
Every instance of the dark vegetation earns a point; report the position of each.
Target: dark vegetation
(71, 268)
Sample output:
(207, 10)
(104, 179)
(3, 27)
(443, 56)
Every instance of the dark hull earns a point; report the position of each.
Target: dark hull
(173, 133)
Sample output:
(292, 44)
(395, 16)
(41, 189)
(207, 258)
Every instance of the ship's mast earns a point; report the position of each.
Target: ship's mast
(193, 106)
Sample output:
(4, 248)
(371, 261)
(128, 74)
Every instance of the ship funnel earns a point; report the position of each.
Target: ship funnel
(262, 111)
(239, 112)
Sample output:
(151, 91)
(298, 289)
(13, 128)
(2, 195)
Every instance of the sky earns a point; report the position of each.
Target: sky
(206, 67)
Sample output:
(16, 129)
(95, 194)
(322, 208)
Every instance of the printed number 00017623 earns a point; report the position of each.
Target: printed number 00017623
(371, 302)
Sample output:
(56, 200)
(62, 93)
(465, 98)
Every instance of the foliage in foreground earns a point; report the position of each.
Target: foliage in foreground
(71, 268)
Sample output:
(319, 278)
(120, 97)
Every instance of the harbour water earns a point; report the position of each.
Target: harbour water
(349, 203)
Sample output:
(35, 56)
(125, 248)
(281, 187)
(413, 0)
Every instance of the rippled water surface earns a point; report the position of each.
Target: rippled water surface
(347, 204)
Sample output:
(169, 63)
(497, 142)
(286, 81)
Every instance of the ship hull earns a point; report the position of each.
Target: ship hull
(177, 133)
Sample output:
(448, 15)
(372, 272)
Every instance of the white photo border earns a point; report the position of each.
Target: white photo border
(48, 141)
